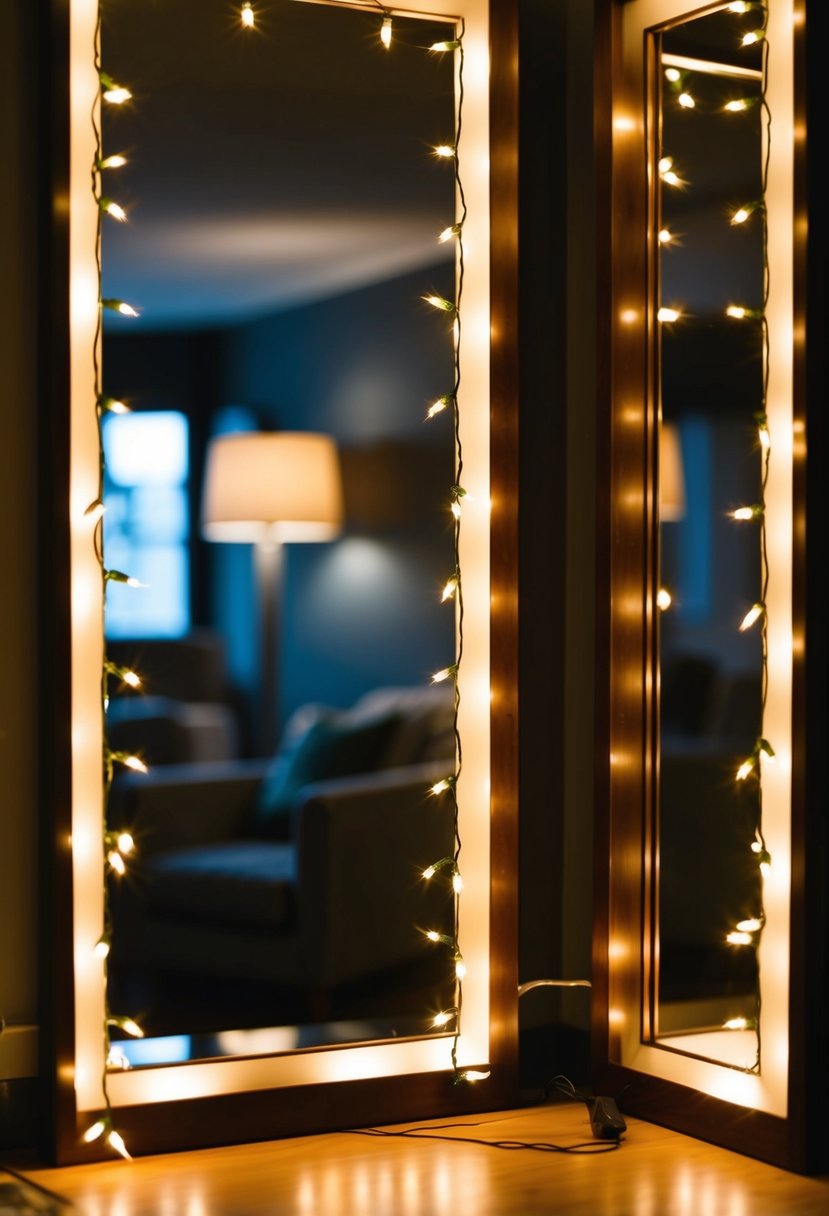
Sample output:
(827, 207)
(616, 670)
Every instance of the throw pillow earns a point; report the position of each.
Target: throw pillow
(333, 746)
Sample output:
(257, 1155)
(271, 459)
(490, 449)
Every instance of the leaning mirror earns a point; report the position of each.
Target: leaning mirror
(280, 291)
(700, 792)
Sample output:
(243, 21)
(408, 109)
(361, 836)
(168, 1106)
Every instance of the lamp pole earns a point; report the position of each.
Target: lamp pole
(269, 568)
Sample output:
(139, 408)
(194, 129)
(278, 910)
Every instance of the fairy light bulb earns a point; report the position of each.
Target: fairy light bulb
(665, 236)
(736, 938)
(111, 405)
(673, 74)
(131, 1027)
(474, 1074)
(94, 1132)
(456, 509)
(116, 862)
(113, 162)
(764, 436)
(457, 883)
(446, 151)
(739, 6)
(441, 47)
(668, 315)
(746, 769)
(437, 407)
(117, 1141)
(754, 613)
(440, 302)
(132, 678)
(747, 513)
(125, 843)
(440, 787)
(385, 31)
(736, 311)
(751, 925)
(248, 17)
(449, 589)
(95, 511)
(753, 37)
(433, 935)
(448, 233)
(443, 1018)
(686, 101)
(663, 599)
(735, 1024)
(737, 105)
(460, 968)
(113, 209)
(116, 95)
(101, 948)
(429, 872)
(743, 213)
(137, 765)
(445, 673)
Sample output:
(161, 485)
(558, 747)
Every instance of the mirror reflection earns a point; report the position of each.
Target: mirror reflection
(709, 249)
(279, 499)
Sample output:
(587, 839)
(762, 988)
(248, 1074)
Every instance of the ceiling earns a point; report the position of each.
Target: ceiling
(271, 167)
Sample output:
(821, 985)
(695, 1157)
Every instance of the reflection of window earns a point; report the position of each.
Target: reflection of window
(147, 523)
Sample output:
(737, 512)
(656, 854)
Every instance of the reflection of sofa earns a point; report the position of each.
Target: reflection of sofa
(317, 888)
(183, 711)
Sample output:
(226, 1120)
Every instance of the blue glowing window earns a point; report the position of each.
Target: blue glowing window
(147, 523)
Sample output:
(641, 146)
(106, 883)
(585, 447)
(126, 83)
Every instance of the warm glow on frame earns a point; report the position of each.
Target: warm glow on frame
(431, 1054)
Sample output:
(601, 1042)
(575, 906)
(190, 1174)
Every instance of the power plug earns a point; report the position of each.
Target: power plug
(606, 1119)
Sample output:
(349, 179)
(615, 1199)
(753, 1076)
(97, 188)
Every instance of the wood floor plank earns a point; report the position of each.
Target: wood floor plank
(653, 1173)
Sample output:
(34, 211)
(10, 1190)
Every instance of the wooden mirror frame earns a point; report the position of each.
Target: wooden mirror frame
(625, 846)
(337, 1098)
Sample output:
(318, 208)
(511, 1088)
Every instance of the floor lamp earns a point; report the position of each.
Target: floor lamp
(269, 489)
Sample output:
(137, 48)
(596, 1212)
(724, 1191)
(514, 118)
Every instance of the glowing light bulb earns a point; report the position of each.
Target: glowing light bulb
(111, 405)
(248, 17)
(440, 302)
(753, 37)
(429, 872)
(101, 949)
(735, 1024)
(736, 311)
(114, 209)
(737, 105)
(754, 613)
(746, 769)
(673, 74)
(117, 95)
(668, 314)
(686, 101)
(131, 678)
(442, 1018)
(474, 1074)
(448, 233)
(125, 843)
(116, 1140)
(131, 1027)
(739, 6)
(385, 32)
(745, 513)
(665, 236)
(449, 589)
(752, 925)
(437, 407)
(671, 178)
(116, 862)
(460, 969)
(764, 437)
(663, 599)
(447, 151)
(665, 163)
(743, 213)
(456, 509)
(445, 46)
(95, 1131)
(112, 162)
(735, 938)
(444, 674)
(137, 765)
(440, 787)
(457, 883)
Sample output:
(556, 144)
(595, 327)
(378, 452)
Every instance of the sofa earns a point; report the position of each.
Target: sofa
(303, 871)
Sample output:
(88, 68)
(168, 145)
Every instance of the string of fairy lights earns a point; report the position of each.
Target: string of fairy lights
(118, 844)
(747, 932)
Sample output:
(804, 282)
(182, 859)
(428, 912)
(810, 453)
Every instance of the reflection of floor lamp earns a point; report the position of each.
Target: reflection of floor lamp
(268, 489)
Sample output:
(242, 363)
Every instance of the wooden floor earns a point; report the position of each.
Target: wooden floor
(653, 1173)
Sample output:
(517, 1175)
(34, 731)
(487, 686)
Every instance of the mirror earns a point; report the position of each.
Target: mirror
(284, 203)
(710, 250)
(273, 1085)
(700, 826)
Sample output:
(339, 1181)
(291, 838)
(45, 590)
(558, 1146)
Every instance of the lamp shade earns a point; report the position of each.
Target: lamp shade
(671, 475)
(265, 486)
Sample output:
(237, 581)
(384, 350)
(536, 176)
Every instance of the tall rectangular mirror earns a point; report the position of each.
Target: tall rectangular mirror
(308, 749)
(701, 830)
